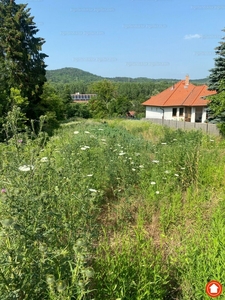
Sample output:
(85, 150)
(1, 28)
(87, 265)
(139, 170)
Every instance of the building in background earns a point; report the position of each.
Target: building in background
(182, 101)
(77, 97)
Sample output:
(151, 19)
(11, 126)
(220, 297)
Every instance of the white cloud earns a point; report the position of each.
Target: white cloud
(192, 36)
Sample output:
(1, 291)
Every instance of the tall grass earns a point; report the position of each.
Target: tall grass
(115, 210)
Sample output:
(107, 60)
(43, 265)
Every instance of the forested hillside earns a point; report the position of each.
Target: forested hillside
(71, 75)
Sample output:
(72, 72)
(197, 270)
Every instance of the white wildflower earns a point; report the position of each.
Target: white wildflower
(133, 169)
(44, 159)
(87, 132)
(153, 182)
(167, 172)
(104, 140)
(155, 161)
(174, 139)
(141, 166)
(26, 168)
(176, 175)
(129, 158)
(89, 175)
(85, 147)
(100, 129)
(122, 153)
(137, 154)
(131, 162)
(211, 140)
(182, 168)
(157, 192)
(163, 143)
(93, 190)
(76, 132)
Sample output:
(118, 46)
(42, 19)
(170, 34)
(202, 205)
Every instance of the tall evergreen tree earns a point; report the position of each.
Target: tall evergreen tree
(218, 72)
(22, 64)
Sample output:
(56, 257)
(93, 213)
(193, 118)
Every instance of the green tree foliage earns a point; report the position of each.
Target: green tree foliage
(119, 106)
(50, 102)
(106, 92)
(217, 107)
(218, 72)
(98, 108)
(22, 64)
(80, 110)
(71, 75)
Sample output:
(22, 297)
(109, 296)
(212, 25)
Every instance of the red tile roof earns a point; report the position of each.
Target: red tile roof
(181, 95)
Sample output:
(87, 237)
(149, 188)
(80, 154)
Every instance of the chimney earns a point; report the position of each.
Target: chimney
(187, 80)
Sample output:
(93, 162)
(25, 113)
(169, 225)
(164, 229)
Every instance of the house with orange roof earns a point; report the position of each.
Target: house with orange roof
(183, 101)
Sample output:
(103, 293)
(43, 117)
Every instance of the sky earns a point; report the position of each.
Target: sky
(131, 38)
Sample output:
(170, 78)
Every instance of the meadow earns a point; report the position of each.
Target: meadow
(116, 210)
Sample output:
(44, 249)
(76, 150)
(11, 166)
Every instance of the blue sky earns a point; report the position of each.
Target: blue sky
(132, 38)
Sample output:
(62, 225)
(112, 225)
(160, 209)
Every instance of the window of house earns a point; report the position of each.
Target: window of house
(174, 112)
(181, 112)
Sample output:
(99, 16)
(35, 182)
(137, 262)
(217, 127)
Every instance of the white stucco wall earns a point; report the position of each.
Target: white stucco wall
(153, 112)
(204, 115)
(168, 114)
(193, 114)
(157, 113)
(193, 110)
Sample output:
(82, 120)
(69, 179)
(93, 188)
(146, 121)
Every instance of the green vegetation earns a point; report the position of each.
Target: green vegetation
(216, 107)
(21, 60)
(218, 72)
(22, 72)
(75, 75)
(110, 210)
(71, 75)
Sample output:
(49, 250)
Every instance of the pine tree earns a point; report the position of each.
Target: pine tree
(218, 72)
(22, 64)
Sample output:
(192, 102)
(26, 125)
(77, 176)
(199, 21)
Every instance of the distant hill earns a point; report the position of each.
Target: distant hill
(71, 75)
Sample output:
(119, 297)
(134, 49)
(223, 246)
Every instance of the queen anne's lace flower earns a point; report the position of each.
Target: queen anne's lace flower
(44, 159)
(26, 168)
(155, 161)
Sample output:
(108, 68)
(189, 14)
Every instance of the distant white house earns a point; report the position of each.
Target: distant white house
(82, 97)
(183, 101)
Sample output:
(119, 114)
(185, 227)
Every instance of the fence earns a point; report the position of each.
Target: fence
(205, 127)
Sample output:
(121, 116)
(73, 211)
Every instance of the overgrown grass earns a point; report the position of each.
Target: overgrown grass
(111, 210)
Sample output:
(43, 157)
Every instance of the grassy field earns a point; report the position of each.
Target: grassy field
(112, 210)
